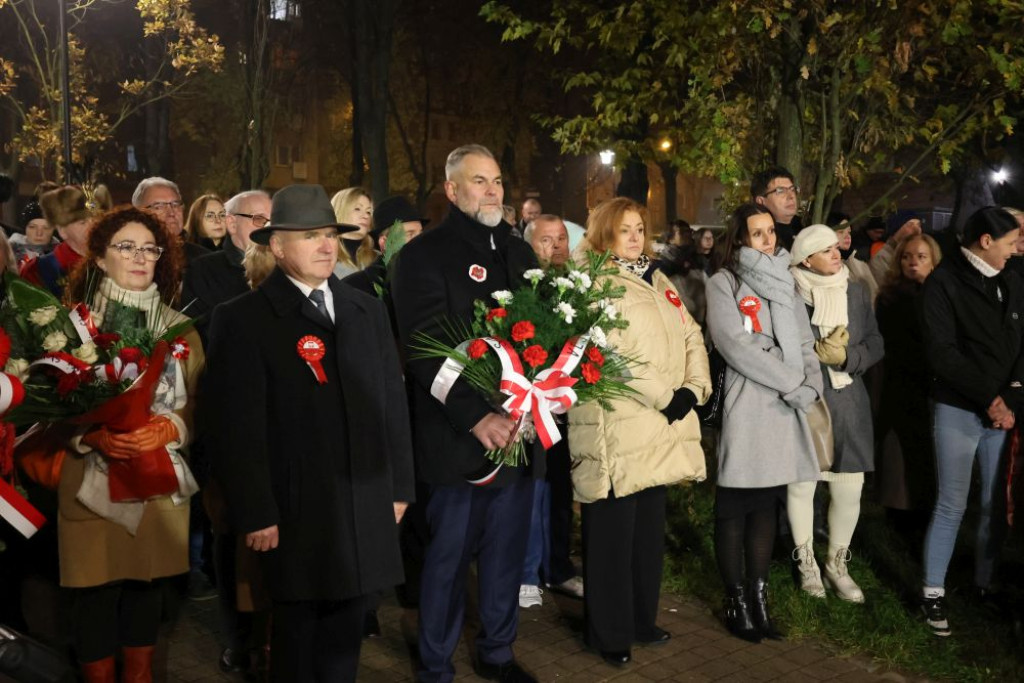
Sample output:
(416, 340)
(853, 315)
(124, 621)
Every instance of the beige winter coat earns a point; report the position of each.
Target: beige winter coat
(633, 447)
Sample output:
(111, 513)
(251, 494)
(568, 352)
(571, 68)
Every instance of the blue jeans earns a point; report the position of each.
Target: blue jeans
(960, 437)
(540, 535)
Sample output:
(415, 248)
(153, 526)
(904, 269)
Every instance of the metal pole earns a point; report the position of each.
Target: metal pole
(65, 90)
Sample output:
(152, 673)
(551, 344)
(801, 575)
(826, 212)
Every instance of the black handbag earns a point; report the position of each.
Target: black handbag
(710, 414)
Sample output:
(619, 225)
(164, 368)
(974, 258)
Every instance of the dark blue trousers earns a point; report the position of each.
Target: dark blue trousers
(492, 525)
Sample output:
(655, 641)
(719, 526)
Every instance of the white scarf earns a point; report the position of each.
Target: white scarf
(827, 295)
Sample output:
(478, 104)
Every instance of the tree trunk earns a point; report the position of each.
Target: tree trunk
(668, 176)
(633, 183)
(373, 30)
(789, 153)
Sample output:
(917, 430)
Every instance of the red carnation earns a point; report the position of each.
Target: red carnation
(496, 313)
(105, 340)
(522, 331)
(590, 373)
(535, 355)
(131, 354)
(594, 355)
(5, 347)
(69, 382)
(477, 348)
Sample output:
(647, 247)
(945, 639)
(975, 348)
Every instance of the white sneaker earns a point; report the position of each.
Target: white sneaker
(572, 587)
(530, 596)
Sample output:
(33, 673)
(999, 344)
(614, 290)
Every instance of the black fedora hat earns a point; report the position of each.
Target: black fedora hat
(393, 209)
(300, 207)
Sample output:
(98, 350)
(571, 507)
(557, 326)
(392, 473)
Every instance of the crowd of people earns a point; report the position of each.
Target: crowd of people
(311, 447)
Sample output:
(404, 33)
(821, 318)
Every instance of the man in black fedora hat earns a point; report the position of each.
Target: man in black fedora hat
(312, 439)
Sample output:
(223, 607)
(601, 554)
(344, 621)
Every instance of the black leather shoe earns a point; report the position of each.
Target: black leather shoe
(371, 626)
(617, 657)
(659, 636)
(508, 672)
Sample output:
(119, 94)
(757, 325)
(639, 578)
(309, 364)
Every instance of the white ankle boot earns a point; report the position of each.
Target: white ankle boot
(810, 577)
(839, 580)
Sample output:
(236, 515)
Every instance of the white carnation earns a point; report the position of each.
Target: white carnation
(43, 316)
(597, 336)
(55, 341)
(502, 296)
(566, 311)
(17, 367)
(583, 281)
(86, 353)
(534, 275)
(563, 283)
(609, 309)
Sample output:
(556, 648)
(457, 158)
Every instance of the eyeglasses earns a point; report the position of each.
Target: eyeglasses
(259, 220)
(215, 217)
(128, 250)
(165, 207)
(781, 192)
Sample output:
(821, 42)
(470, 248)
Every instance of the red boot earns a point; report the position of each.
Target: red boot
(138, 664)
(100, 671)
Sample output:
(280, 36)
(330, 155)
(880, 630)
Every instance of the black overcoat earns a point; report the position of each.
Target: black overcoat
(212, 279)
(324, 462)
(435, 281)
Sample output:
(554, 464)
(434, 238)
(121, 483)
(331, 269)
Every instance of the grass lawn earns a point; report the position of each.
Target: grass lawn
(986, 643)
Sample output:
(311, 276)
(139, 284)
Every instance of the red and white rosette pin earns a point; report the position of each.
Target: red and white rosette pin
(180, 349)
(312, 350)
(749, 306)
(674, 299)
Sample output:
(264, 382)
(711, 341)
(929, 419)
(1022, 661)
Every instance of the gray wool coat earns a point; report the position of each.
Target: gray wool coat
(764, 441)
(850, 406)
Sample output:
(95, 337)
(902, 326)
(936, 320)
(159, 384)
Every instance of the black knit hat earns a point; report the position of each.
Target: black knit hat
(29, 214)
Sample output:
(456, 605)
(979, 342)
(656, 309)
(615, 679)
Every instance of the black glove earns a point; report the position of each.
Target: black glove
(683, 401)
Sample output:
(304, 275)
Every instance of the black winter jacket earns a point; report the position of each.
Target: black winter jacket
(972, 339)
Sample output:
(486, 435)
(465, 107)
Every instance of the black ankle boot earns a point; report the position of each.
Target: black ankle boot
(759, 607)
(738, 618)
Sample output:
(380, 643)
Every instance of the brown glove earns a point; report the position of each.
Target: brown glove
(159, 432)
(831, 350)
(111, 444)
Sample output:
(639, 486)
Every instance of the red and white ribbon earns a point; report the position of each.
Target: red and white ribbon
(12, 392)
(548, 395)
(117, 370)
(749, 306)
(18, 512)
(312, 350)
(62, 361)
(81, 318)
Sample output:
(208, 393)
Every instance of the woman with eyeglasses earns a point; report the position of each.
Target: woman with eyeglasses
(206, 224)
(115, 572)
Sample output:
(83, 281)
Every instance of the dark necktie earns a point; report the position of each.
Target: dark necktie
(317, 297)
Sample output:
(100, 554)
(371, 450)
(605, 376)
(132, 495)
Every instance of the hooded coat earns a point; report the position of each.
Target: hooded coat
(633, 447)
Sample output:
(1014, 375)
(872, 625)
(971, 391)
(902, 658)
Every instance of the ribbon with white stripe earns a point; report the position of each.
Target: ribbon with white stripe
(18, 512)
(548, 395)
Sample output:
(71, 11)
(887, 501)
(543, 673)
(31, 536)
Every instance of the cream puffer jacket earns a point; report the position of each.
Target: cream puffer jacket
(633, 447)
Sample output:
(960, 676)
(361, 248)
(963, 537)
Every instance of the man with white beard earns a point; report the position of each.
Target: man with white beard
(473, 508)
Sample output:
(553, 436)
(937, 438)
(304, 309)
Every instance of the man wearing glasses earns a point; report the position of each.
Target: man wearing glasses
(776, 190)
(163, 198)
(219, 276)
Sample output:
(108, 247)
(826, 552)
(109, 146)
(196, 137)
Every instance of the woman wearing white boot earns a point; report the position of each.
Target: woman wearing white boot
(848, 344)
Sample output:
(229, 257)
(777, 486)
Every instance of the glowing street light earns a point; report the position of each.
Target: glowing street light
(665, 145)
(607, 157)
(1000, 176)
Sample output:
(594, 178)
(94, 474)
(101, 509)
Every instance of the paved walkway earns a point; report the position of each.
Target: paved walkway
(551, 647)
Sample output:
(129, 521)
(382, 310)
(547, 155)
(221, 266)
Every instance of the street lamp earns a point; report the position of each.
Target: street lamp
(607, 157)
(65, 88)
(1000, 176)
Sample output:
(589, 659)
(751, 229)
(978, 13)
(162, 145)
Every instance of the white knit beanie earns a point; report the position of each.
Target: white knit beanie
(811, 240)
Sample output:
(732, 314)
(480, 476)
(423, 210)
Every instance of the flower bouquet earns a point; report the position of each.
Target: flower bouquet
(537, 351)
(78, 368)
